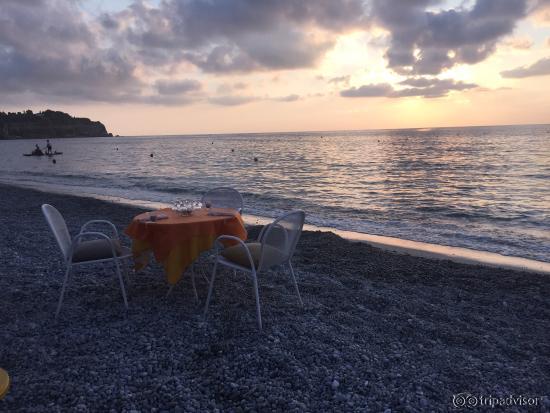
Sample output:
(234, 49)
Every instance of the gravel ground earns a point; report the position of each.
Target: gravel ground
(379, 331)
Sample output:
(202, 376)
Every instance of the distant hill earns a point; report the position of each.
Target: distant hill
(48, 124)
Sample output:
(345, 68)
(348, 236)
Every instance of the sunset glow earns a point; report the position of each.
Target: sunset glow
(151, 67)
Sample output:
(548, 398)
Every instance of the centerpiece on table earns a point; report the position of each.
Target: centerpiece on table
(186, 206)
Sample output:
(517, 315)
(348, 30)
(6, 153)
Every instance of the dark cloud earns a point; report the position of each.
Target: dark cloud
(177, 87)
(50, 48)
(222, 59)
(108, 22)
(47, 48)
(427, 42)
(236, 100)
(373, 90)
(50, 51)
(437, 88)
(232, 100)
(221, 36)
(539, 68)
(424, 87)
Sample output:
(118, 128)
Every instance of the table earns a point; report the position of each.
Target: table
(177, 241)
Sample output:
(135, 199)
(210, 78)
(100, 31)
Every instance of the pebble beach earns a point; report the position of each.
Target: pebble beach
(378, 332)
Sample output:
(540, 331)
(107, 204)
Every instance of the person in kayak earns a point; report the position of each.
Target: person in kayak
(37, 150)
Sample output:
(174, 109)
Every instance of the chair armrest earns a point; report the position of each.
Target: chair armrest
(76, 240)
(100, 221)
(218, 243)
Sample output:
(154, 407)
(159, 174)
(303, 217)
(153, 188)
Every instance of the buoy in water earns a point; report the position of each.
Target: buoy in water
(151, 155)
(232, 150)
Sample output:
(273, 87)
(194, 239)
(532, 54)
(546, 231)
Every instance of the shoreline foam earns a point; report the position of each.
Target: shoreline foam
(386, 243)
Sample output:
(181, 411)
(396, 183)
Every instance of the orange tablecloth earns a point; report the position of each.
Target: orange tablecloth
(177, 241)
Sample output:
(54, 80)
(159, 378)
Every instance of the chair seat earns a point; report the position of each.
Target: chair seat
(237, 254)
(4, 383)
(97, 249)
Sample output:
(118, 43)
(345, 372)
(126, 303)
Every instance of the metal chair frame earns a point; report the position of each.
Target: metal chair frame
(253, 271)
(231, 192)
(68, 248)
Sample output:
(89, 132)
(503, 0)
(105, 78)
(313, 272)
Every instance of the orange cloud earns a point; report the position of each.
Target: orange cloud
(520, 43)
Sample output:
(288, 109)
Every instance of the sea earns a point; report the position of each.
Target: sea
(483, 188)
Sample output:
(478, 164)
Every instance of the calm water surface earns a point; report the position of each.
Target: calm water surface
(485, 188)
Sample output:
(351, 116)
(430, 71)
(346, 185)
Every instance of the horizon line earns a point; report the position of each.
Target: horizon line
(337, 130)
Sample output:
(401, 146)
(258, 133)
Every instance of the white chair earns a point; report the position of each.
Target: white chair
(76, 251)
(224, 197)
(275, 246)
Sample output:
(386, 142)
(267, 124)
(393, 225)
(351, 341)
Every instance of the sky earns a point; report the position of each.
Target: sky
(228, 66)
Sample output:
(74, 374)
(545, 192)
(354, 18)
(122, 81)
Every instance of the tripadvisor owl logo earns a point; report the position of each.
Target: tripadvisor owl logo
(469, 401)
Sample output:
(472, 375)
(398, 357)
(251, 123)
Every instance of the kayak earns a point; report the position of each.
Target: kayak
(43, 154)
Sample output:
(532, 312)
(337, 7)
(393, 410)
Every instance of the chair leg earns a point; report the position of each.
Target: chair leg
(122, 289)
(210, 288)
(60, 302)
(193, 284)
(258, 312)
(295, 283)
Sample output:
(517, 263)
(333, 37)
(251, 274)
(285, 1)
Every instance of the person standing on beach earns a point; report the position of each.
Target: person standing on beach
(48, 147)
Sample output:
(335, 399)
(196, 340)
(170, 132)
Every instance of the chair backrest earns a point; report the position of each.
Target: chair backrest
(224, 197)
(59, 228)
(283, 234)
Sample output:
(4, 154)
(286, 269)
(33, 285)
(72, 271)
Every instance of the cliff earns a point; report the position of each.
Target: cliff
(48, 124)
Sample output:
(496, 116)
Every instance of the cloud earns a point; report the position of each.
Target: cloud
(108, 22)
(47, 48)
(340, 79)
(236, 100)
(240, 86)
(541, 13)
(520, 43)
(52, 49)
(224, 36)
(424, 87)
(177, 87)
(373, 90)
(288, 98)
(425, 42)
(539, 68)
(232, 100)
(226, 88)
